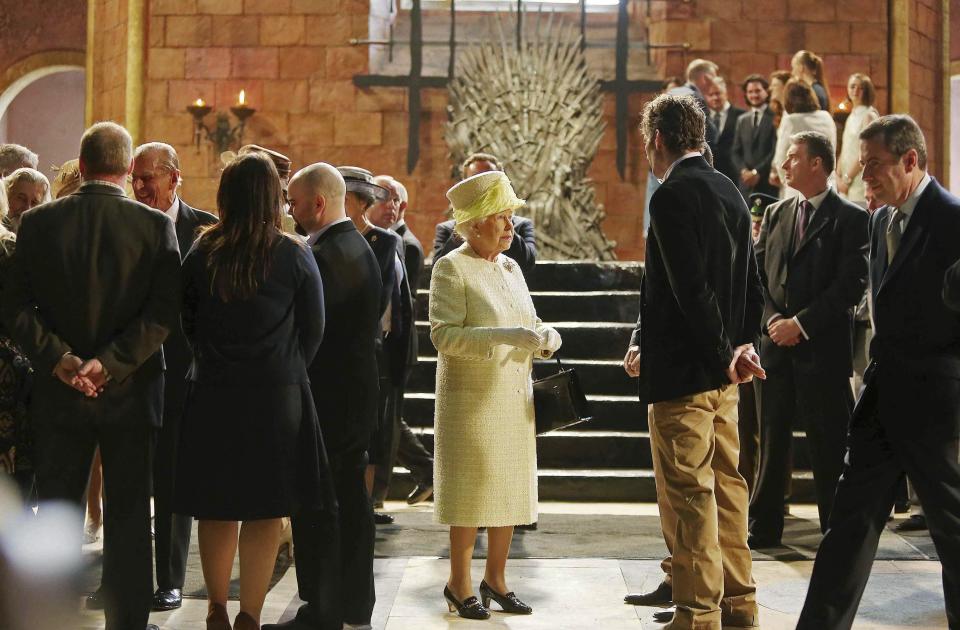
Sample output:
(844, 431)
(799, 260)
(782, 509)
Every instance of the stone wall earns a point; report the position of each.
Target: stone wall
(26, 32)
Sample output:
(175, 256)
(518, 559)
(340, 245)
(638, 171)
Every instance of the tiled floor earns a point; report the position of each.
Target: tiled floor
(588, 593)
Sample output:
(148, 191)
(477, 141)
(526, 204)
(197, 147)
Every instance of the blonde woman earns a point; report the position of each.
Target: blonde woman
(861, 94)
(486, 331)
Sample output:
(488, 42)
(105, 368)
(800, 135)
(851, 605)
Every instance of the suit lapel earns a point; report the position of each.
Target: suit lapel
(185, 227)
(911, 236)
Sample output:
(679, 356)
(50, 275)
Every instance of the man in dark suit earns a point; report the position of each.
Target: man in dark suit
(724, 116)
(335, 551)
(907, 420)
(523, 247)
(812, 255)
(700, 307)
(155, 179)
(92, 295)
(406, 448)
(396, 313)
(754, 141)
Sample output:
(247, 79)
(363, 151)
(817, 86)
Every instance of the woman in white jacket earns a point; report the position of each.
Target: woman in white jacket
(801, 113)
(486, 331)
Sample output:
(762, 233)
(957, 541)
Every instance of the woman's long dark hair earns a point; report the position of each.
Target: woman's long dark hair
(239, 246)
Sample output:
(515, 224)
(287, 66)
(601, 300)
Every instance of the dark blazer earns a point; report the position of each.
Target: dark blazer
(916, 336)
(701, 294)
(722, 160)
(268, 339)
(385, 245)
(820, 281)
(754, 149)
(98, 275)
(388, 247)
(413, 260)
(343, 376)
(175, 348)
(523, 247)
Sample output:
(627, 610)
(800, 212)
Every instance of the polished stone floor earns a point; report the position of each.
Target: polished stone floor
(586, 593)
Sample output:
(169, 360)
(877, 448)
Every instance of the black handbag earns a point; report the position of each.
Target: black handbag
(559, 401)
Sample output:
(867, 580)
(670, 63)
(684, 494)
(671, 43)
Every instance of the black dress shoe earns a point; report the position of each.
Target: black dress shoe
(510, 603)
(470, 608)
(760, 542)
(167, 599)
(530, 527)
(151, 626)
(916, 523)
(95, 600)
(660, 596)
(664, 616)
(382, 519)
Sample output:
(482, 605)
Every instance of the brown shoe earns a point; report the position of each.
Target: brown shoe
(245, 622)
(217, 617)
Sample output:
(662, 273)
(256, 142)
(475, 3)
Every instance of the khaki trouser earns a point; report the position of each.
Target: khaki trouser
(703, 509)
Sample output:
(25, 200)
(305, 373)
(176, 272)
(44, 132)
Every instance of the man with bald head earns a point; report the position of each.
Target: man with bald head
(155, 180)
(335, 551)
(93, 292)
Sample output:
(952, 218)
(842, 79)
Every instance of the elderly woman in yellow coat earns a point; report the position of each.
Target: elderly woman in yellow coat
(486, 331)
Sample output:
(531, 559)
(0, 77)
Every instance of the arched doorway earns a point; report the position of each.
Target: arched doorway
(44, 110)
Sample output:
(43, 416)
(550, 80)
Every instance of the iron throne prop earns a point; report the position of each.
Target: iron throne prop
(537, 109)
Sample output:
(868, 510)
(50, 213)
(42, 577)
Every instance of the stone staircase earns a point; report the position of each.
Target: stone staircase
(594, 308)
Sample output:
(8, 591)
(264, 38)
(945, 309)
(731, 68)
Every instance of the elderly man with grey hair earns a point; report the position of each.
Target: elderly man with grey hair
(335, 551)
(155, 181)
(93, 292)
(14, 156)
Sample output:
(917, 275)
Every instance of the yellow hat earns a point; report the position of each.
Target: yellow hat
(482, 195)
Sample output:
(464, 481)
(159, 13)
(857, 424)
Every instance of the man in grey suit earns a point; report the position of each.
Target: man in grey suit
(94, 291)
(755, 140)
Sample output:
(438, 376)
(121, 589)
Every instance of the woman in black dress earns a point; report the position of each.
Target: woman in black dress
(251, 449)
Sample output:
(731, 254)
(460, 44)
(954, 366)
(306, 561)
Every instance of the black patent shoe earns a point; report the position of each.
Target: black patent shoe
(470, 608)
(167, 599)
(510, 603)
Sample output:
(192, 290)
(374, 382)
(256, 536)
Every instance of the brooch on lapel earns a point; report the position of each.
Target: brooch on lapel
(509, 265)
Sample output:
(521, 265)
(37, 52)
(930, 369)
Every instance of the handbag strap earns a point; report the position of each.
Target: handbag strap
(556, 355)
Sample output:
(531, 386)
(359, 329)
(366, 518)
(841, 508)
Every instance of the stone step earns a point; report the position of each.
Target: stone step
(599, 484)
(581, 340)
(578, 448)
(597, 376)
(583, 306)
(575, 276)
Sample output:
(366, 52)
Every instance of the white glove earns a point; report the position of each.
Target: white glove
(519, 337)
(551, 341)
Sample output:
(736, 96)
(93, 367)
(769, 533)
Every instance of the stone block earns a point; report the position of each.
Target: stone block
(811, 10)
(173, 7)
(833, 37)
(156, 30)
(170, 128)
(357, 129)
(235, 30)
(197, 161)
(780, 37)
(332, 96)
(291, 96)
(281, 30)
(155, 99)
(317, 7)
(201, 191)
(624, 199)
(744, 63)
(395, 128)
(228, 91)
(269, 7)
(194, 30)
(740, 35)
(860, 11)
(381, 99)
(165, 63)
(329, 30)
(302, 62)
(312, 128)
(434, 99)
(207, 63)
(220, 7)
(255, 63)
(343, 62)
(838, 68)
(182, 93)
(721, 9)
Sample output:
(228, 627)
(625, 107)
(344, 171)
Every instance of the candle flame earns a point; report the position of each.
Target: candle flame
(199, 102)
(243, 97)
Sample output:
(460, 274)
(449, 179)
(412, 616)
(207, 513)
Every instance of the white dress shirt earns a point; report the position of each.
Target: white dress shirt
(315, 236)
(683, 157)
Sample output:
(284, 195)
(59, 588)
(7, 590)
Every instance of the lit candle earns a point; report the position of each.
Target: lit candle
(242, 99)
(199, 102)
